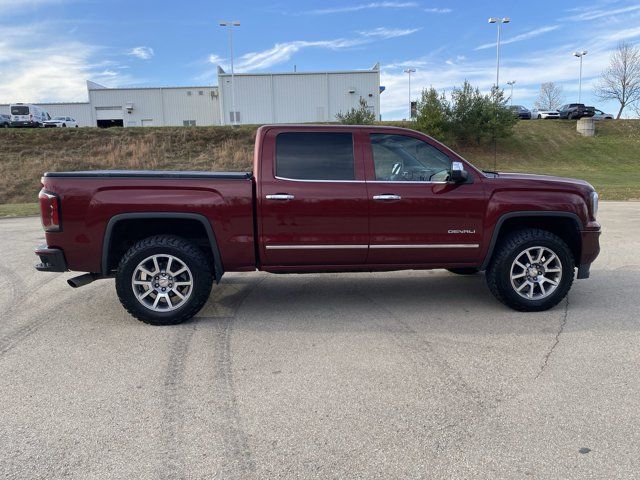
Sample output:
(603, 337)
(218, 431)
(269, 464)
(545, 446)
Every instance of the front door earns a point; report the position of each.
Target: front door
(312, 198)
(416, 216)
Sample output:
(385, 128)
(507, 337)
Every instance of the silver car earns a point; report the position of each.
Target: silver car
(600, 115)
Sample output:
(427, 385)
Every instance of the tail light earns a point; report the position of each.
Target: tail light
(50, 211)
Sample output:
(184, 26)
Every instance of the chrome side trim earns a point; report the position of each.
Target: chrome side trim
(315, 247)
(318, 181)
(430, 245)
(400, 182)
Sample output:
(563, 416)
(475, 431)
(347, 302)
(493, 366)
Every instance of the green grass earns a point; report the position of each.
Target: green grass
(610, 161)
(19, 209)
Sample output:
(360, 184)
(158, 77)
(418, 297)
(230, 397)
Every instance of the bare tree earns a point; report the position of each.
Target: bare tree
(550, 97)
(621, 79)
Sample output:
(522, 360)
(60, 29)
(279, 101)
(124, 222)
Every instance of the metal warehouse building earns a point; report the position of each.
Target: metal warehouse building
(295, 97)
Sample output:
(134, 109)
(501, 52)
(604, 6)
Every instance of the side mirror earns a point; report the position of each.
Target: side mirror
(458, 174)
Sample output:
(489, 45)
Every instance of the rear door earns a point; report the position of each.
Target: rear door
(417, 217)
(312, 202)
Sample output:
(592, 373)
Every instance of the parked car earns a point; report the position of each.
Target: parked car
(320, 198)
(574, 111)
(545, 114)
(25, 115)
(521, 112)
(600, 115)
(5, 120)
(61, 122)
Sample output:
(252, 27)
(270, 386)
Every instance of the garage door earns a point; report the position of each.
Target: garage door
(109, 113)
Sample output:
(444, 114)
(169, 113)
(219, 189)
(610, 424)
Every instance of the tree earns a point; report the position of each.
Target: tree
(620, 81)
(468, 116)
(360, 116)
(432, 116)
(550, 97)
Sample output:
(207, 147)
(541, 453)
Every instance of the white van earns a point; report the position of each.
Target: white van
(24, 115)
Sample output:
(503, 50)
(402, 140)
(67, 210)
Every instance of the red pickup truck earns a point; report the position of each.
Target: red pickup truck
(319, 199)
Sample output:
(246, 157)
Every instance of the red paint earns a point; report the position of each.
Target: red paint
(322, 213)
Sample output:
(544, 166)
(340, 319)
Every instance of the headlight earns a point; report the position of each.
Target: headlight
(594, 204)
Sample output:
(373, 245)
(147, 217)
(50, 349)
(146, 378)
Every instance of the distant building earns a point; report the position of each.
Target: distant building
(295, 97)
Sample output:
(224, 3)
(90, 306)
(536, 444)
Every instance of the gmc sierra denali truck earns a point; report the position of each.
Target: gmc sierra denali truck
(319, 199)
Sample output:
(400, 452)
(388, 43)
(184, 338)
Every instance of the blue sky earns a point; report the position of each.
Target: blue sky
(48, 48)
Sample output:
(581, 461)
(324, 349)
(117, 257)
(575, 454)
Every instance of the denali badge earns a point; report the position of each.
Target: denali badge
(462, 231)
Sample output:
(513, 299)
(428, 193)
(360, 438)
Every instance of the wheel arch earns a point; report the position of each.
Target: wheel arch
(143, 219)
(566, 225)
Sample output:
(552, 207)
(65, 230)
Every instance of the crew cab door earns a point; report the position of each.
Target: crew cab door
(312, 198)
(416, 215)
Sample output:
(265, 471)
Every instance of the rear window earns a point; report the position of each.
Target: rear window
(20, 110)
(315, 156)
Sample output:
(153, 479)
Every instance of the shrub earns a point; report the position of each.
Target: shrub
(360, 116)
(469, 116)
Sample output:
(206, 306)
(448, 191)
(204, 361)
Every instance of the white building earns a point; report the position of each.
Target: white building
(295, 97)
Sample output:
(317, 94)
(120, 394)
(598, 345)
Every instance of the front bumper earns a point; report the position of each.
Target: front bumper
(52, 125)
(590, 249)
(51, 259)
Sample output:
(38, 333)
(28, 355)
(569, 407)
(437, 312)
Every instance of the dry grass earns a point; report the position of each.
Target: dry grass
(610, 161)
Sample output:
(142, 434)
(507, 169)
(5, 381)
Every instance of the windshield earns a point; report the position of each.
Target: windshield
(58, 118)
(19, 110)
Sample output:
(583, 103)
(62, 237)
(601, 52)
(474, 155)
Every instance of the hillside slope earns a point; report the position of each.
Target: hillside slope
(610, 161)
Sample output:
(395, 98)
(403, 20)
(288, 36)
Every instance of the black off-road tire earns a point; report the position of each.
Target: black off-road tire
(498, 273)
(464, 271)
(186, 252)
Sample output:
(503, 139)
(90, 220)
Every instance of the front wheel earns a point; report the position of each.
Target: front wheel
(531, 271)
(163, 280)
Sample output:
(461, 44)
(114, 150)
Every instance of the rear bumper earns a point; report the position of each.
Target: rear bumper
(24, 124)
(51, 259)
(590, 249)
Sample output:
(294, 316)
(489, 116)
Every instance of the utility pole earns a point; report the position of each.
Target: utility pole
(410, 71)
(229, 26)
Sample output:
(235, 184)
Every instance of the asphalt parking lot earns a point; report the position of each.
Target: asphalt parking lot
(401, 375)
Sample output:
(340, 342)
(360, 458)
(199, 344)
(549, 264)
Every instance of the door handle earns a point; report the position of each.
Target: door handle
(280, 196)
(387, 197)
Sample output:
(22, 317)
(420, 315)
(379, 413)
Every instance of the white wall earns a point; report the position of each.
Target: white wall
(297, 97)
(159, 106)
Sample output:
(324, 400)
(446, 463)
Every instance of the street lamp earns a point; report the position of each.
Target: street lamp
(410, 71)
(580, 55)
(499, 21)
(229, 26)
(511, 83)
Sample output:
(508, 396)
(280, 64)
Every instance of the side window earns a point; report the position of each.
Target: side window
(398, 158)
(315, 156)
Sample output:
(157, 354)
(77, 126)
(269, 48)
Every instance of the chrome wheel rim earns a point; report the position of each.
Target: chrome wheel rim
(536, 273)
(162, 283)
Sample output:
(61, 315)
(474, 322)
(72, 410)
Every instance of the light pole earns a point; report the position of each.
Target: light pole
(511, 83)
(229, 26)
(499, 21)
(580, 55)
(410, 71)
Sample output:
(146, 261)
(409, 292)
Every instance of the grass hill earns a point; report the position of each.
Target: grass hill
(610, 161)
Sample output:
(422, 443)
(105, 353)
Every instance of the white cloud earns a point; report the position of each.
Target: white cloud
(46, 70)
(143, 53)
(282, 52)
(620, 35)
(383, 32)
(362, 6)
(437, 10)
(215, 59)
(522, 36)
(592, 14)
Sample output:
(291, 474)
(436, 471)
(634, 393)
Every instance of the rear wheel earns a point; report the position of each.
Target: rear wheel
(532, 270)
(163, 280)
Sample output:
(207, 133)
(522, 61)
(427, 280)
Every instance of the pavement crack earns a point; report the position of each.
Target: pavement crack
(556, 341)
